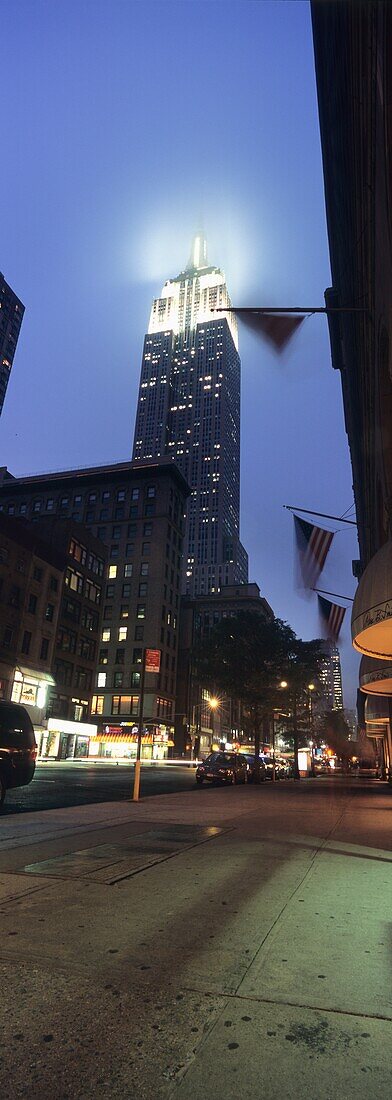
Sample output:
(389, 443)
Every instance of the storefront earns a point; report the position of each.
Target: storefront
(120, 743)
(64, 740)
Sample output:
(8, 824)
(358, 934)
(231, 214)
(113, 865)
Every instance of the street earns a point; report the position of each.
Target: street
(216, 943)
(72, 783)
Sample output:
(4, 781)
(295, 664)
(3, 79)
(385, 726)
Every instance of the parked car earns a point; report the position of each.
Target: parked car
(18, 748)
(250, 764)
(222, 767)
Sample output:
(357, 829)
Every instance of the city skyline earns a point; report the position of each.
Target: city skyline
(95, 227)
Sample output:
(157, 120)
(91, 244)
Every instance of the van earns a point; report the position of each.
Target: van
(18, 749)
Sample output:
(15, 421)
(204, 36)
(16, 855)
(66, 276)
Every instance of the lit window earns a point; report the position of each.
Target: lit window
(101, 680)
(122, 633)
(97, 704)
(106, 635)
(112, 571)
(141, 611)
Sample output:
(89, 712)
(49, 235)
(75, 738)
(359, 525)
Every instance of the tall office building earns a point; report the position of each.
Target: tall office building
(189, 409)
(11, 316)
(330, 677)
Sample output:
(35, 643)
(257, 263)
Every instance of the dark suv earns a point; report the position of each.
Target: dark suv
(18, 749)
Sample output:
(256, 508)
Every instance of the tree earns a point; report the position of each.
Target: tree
(302, 666)
(244, 657)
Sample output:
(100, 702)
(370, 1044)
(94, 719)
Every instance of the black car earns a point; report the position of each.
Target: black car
(222, 767)
(18, 748)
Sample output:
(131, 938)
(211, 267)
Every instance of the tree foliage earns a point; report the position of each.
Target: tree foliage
(247, 656)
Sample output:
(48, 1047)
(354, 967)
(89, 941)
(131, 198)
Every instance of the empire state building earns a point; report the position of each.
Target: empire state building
(189, 409)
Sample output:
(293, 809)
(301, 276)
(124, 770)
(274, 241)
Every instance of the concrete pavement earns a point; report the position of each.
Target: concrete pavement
(218, 943)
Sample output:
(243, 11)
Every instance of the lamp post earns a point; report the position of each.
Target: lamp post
(311, 739)
(213, 703)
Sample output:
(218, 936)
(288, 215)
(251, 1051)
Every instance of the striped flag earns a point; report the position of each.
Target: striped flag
(332, 615)
(313, 544)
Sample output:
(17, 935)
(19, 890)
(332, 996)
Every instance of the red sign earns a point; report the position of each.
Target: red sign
(152, 660)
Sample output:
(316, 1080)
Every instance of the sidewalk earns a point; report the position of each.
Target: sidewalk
(220, 943)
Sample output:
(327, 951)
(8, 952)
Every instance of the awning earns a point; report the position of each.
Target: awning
(376, 715)
(375, 676)
(35, 674)
(371, 620)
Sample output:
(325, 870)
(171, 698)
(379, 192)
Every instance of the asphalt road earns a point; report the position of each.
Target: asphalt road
(75, 784)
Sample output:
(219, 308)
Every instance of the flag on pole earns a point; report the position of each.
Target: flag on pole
(313, 544)
(277, 328)
(332, 615)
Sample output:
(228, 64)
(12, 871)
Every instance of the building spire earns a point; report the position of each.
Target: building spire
(198, 257)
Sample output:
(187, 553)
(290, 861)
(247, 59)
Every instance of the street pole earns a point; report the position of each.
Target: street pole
(136, 774)
(273, 748)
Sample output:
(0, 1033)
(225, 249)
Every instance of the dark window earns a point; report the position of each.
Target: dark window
(49, 504)
(151, 492)
(26, 641)
(104, 514)
(139, 631)
(146, 547)
(49, 612)
(133, 511)
(149, 510)
(126, 590)
(120, 656)
(142, 591)
(135, 679)
(32, 604)
(53, 584)
(137, 657)
(128, 570)
(7, 636)
(90, 516)
(101, 533)
(132, 528)
(109, 591)
(106, 495)
(130, 549)
(114, 550)
(44, 648)
(37, 573)
(135, 494)
(121, 494)
(108, 611)
(118, 679)
(119, 512)
(147, 529)
(116, 532)
(144, 569)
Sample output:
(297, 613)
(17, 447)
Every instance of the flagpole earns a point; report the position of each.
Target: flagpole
(322, 515)
(288, 309)
(337, 594)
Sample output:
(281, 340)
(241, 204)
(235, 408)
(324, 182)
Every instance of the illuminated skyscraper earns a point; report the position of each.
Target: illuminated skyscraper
(189, 409)
(330, 676)
(11, 316)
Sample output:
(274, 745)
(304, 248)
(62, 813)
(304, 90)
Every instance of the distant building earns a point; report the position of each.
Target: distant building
(137, 511)
(11, 316)
(31, 574)
(196, 720)
(189, 410)
(330, 676)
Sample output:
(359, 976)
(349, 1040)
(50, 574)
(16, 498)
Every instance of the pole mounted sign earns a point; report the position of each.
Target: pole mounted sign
(152, 660)
(151, 663)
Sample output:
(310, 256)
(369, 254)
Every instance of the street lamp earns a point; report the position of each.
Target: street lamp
(213, 703)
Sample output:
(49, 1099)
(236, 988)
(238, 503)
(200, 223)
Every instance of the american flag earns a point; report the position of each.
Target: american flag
(332, 615)
(313, 545)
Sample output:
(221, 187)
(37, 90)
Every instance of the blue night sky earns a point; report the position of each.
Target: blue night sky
(125, 126)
